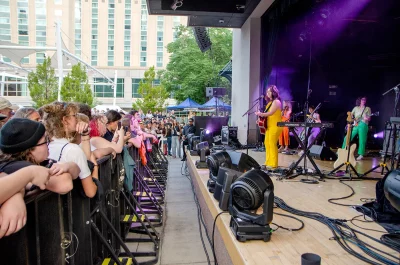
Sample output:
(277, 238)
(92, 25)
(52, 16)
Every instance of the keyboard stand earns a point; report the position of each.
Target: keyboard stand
(306, 153)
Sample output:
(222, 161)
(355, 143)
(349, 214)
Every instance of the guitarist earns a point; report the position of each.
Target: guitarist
(273, 115)
(362, 116)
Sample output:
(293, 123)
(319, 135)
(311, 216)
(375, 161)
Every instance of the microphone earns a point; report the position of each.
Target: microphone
(297, 114)
(261, 97)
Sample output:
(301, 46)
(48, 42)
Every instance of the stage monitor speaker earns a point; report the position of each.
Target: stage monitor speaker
(202, 38)
(322, 153)
(242, 162)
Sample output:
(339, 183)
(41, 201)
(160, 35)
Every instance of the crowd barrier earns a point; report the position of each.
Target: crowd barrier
(73, 229)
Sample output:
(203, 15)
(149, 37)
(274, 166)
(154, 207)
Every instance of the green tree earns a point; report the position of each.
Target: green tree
(76, 87)
(43, 84)
(153, 96)
(190, 71)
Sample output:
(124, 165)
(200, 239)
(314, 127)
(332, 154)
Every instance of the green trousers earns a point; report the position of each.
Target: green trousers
(362, 130)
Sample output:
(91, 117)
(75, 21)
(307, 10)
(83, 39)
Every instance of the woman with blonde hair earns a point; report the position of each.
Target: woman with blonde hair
(273, 115)
(62, 126)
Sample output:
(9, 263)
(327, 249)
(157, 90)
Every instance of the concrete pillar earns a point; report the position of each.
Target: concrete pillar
(246, 77)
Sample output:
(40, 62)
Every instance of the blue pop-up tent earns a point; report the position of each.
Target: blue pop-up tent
(215, 102)
(186, 104)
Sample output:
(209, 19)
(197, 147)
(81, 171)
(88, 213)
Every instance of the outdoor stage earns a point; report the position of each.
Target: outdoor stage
(286, 247)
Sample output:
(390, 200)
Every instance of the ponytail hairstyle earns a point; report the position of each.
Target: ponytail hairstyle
(53, 117)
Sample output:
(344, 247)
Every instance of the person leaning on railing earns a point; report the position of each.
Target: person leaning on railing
(22, 144)
(62, 126)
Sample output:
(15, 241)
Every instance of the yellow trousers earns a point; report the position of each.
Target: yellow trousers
(271, 146)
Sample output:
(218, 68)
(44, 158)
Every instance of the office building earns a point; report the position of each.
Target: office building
(110, 35)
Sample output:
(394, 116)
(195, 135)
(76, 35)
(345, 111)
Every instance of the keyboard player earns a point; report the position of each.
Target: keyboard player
(314, 131)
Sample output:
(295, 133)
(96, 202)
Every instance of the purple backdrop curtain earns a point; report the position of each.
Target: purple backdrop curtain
(270, 30)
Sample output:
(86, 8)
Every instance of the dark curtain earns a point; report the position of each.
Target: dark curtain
(271, 23)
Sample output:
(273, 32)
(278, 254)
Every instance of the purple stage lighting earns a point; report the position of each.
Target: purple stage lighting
(379, 135)
(207, 131)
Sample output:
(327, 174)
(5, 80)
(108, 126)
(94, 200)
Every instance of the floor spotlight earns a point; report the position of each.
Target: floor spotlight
(251, 190)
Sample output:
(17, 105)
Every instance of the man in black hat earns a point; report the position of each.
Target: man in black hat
(188, 129)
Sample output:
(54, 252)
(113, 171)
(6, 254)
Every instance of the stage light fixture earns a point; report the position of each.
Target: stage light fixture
(247, 194)
(214, 162)
(176, 4)
(206, 135)
(217, 160)
(392, 188)
(325, 13)
(303, 36)
(203, 150)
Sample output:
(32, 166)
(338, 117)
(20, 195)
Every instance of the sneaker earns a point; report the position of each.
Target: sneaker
(360, 157)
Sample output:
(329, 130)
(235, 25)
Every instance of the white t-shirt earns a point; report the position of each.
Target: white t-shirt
(70, 153)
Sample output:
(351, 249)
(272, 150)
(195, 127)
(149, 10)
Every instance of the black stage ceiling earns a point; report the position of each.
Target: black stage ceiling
(207, 13)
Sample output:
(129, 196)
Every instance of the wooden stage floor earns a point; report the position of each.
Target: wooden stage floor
(286, 247)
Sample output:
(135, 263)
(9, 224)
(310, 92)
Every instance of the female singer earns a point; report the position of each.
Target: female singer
(273, 115)
(284, 138)
(362, 116)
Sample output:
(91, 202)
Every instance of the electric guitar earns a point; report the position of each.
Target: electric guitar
(342, 153)
(356, 121)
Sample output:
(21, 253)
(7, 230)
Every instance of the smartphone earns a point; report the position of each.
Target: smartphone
(119, 125)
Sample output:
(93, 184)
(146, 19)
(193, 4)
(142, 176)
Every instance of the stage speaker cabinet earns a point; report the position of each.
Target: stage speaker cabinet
(202, 38)
(322, 153)
(215, 91)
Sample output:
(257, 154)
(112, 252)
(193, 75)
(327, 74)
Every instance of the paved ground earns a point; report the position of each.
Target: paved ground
(181, 242)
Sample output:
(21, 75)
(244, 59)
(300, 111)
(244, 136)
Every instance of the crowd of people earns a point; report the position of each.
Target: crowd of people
(58, 145)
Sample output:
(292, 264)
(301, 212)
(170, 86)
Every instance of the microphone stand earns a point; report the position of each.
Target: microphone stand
(248, 112)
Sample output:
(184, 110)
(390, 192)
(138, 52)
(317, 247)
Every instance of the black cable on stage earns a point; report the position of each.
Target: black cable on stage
(286, 228)
(345, 235)
(212, 237)
(364, 221)
(344, 197)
